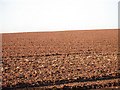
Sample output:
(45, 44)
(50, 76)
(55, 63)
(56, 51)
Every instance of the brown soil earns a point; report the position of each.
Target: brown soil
(70, 58)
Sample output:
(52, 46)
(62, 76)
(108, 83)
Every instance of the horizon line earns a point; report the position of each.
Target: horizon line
(45, 31)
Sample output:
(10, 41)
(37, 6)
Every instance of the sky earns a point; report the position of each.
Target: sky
(57, 15)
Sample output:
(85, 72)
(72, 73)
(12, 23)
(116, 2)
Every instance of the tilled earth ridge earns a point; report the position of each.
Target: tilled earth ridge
(104, 84)
(43, 59)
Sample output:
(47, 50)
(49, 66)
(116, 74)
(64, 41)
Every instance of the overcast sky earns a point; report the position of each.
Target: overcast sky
(51, 15)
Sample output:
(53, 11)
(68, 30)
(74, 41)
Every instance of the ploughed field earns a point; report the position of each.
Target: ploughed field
(66, 59)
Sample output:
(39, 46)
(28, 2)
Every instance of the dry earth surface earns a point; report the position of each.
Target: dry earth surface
(86, 59)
